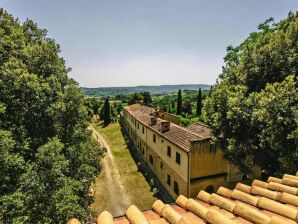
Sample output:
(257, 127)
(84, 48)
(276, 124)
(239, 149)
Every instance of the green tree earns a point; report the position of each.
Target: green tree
(106, 112)
(47, 158)
(199, 103)
(173, 104)
(210, 91)
(253, 108)
(118, 107)
(95, 105)
(147, 100)
(135, 98)
(186, 107)
(179, 102)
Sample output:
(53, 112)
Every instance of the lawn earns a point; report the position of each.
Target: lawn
(133, 181)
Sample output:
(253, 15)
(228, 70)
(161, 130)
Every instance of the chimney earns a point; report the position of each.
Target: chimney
(165, 126)
(153, 121)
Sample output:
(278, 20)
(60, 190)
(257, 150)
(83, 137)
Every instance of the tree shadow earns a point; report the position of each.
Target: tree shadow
(102, 124)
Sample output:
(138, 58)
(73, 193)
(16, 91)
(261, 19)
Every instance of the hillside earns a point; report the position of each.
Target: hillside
(112, 91)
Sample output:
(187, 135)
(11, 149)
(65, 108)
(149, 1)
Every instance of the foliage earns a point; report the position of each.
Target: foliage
(185, 121)
(135, 98)
(186, 107)
(253, 109)
(147, 98)
(95, 105)
(179, 102)
(106, 112)
(199, 103)
(118, 107)
(142, 97)
(47, 157)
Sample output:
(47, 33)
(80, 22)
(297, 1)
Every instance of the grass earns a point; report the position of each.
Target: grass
(134, 182)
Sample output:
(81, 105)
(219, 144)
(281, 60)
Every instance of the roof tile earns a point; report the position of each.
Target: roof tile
(245, 205)
(177, 134)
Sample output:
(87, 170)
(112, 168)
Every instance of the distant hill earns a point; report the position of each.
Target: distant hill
(162, 89)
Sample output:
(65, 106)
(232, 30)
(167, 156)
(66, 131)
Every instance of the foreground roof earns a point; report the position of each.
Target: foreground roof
(271, 202)
(178, 135)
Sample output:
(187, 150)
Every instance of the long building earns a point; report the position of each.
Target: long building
(183, 159)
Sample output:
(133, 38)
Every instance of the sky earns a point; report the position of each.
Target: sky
(147, 42)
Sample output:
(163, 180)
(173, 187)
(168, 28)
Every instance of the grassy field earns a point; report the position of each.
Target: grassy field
(133, 181)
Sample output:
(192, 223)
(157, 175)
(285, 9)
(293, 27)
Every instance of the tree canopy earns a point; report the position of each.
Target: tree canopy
(199, 103)
(106, 112)
(253, 108)
(179, 102)
(47, 157)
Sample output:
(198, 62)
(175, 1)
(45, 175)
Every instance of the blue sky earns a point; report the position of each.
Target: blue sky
(152, 42)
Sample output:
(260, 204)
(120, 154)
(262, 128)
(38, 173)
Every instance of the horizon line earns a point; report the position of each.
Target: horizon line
(146, 85)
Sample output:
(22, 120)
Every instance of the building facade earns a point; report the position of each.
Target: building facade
(183, 159)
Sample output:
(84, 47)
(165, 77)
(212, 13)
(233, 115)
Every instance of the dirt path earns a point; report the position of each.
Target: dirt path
(114, 197)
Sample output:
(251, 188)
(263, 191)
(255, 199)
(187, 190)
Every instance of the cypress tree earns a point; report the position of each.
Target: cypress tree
(210, 91)
(179, 102)
(199, 103)
(106, 112)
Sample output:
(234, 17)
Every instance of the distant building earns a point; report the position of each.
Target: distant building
(183, 159)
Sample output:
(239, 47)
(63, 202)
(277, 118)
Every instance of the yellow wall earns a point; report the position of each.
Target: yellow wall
(201, 184)
(206, 159)
(170, 117)
(162, 172)
(160, 147)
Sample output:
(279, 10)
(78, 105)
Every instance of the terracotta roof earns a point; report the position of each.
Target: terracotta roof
(200, 130)
(178, 135)
(271, 202)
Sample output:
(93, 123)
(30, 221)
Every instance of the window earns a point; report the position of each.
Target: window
(138, 125)
(176, 188)
(161, 165)
(169, 180)
(151, 159)
(143, 130)
(169, 151)
(178, 158)
(154, 137)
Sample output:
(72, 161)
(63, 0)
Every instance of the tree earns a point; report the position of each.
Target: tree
(47, 157)
(118, 107)
(173, 104)
(179, 102)
(199, 103)
(253, 108)
(106, 112)
(135, 98)
(146, 98)
(186, 107)
(95, 104)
